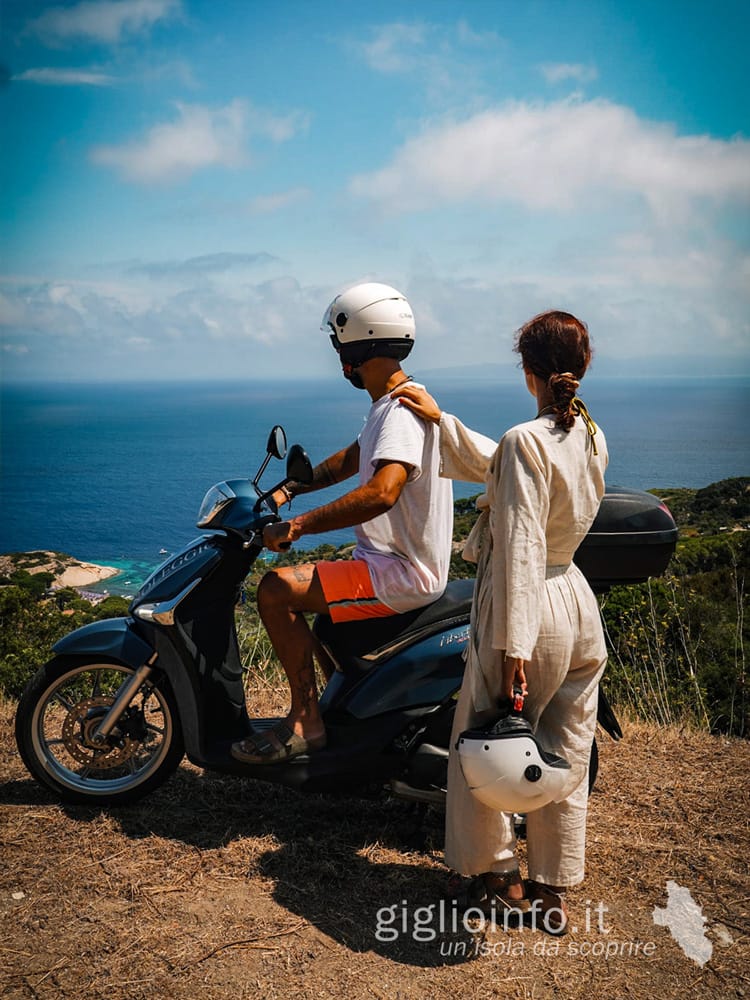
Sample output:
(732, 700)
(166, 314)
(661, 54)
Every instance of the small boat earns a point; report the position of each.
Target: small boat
(163, 552)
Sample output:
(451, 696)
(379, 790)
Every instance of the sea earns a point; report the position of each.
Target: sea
(115, 473)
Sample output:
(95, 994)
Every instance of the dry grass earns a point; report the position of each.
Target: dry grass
(222, 888)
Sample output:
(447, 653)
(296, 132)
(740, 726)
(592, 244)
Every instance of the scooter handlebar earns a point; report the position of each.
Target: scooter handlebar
(260, 527)
(254, 534)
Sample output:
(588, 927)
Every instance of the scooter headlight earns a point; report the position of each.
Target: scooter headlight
(213, 502)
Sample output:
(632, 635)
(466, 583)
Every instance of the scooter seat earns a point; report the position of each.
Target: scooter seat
(376, 639)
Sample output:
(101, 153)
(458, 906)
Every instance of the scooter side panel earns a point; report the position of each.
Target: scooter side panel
(195, 560)
(110, 638)
(426, 673)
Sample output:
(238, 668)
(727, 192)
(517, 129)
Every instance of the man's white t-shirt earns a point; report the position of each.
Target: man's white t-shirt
(408, 548)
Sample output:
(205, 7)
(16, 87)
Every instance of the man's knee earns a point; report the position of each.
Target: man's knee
(293, 587)
(273, 590)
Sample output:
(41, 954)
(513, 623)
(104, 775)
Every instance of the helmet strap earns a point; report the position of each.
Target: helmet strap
(352, 356)
(351, 374)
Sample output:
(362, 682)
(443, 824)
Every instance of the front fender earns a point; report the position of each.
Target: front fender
(112, 638)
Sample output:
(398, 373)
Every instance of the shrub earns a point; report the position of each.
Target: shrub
(29, 628)
(677, 644)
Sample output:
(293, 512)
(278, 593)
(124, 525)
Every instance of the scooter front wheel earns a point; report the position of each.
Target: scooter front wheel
(61, 709)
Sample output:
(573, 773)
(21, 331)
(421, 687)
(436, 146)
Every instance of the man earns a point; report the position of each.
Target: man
(401, 510)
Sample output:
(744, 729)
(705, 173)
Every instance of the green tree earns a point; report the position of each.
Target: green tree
(29, 628)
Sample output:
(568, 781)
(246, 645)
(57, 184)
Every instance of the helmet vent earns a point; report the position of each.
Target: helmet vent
(341, 320)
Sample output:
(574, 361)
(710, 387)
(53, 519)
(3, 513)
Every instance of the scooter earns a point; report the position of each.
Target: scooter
(110, 717)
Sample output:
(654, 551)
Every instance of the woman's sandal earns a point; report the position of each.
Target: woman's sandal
(487, 892)
(274, 745)
(553, 910)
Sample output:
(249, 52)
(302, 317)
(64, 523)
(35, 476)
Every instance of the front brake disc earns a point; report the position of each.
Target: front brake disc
(79, 726)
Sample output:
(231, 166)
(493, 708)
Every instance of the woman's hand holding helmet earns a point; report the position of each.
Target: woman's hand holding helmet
(514, 676)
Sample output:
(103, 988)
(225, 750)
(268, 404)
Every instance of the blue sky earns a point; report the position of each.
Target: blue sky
(186, 184)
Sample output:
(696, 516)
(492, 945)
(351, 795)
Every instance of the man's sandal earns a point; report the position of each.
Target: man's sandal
(486, 892)
(274, 746)
(553, 909)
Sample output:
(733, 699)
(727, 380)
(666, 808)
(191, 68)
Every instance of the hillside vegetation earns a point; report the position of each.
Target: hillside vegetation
(677, 643)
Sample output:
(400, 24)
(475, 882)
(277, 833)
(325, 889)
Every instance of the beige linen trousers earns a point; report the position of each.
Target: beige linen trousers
(542, 491)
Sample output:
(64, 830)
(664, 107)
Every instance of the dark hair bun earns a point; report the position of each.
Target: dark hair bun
(555, 346)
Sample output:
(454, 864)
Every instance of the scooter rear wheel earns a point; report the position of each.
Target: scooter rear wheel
(61, 709)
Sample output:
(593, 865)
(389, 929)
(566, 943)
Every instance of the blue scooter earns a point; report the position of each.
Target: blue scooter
(110, 717)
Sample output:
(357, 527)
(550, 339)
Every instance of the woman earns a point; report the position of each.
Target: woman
(535, 620)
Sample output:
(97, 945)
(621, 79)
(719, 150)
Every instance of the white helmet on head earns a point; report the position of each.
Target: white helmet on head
(370, 320)
(508, 770)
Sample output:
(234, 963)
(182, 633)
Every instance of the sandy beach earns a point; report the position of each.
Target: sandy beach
(69, 572)
(84, 575)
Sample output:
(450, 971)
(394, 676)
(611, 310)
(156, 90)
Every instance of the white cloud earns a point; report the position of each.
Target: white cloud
(644, 300)
(106, 21)
(53, 322)
(61, 294)
(441, 59)
(65, 77)
(277, 128)
(557, 156)
(560, 72)
(269, 203)
(201, 137)
(393, 47)
(205, 266)
(12, 310)
(466, 35)
(402, 47)
(644, 324)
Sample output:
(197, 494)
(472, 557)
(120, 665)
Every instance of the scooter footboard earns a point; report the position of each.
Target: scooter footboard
(360, 756)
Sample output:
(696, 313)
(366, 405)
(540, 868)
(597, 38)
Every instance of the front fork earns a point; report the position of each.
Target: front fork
(125, 695)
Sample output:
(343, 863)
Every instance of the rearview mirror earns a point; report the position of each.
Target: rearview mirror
(277, 442)
(298, 465)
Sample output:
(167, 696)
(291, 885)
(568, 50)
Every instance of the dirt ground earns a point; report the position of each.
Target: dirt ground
(219, 888)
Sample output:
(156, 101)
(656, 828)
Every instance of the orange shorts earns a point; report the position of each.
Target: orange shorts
(348, 590)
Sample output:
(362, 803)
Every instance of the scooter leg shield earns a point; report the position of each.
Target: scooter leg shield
(112, 637)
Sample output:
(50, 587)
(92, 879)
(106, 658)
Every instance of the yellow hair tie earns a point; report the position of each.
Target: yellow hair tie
(578, 407)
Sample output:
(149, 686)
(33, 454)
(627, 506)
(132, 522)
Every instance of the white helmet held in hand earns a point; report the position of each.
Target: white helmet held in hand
(367, 321)
(508, 770)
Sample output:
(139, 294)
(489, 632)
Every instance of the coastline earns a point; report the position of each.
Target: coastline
(84, 575)
(67, 571)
